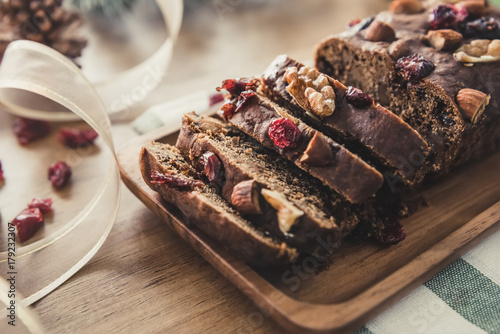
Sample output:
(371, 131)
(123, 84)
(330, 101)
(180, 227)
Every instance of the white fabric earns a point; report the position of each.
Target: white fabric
(486, 258)
(422, 312)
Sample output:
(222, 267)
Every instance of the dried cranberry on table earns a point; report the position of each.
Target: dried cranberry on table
(28, 130)
(59, 174)
(75, 138)
(27, 223)
(414, 68)
(174, 181)
(211, 166)
(358, 98)
(31, 219)
(284, 133)
(44, 205)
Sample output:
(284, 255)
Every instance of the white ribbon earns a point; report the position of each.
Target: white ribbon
(35, 78)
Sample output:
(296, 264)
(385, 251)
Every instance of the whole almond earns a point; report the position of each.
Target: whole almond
(380, 31)
(444, 39)
(476, 8)
(246, 198)
(472, 103)
(406, 7)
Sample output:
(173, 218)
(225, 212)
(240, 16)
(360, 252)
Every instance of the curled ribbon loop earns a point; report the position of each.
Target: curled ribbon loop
(34, 77)
(110, 91)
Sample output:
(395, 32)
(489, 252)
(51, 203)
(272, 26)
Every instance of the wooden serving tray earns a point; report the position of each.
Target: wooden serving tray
(362, 278)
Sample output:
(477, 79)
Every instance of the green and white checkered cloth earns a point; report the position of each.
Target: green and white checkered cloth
(463, 298)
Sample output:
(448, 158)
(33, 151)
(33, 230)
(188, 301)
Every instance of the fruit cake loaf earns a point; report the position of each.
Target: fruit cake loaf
(350, 117)
(292, 205)
(275, 128)
(436, 65)
(166, 172)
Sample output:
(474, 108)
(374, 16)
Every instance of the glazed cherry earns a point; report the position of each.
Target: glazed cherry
(284, 133)
(74, 138)
(59, 174)
(27, 223)
(28, 130)
(414, 68)
(44, 205)
(358, 98)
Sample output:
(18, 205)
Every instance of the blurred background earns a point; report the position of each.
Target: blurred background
(219, 39)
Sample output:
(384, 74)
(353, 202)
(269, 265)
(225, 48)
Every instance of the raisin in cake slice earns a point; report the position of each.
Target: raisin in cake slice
(166, 172)
(436, 65)
(295, 206)
(275, 128)
(350, 117)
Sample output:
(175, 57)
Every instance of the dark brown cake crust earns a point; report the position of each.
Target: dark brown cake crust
(200, 135)
(388, 138)
(214, 216)
(345, 173)
(429, 106)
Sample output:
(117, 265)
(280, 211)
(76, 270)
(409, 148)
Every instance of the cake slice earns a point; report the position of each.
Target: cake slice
(166, 172)
(302, 210)
(277, 129)
(436, 67)
(349, 116)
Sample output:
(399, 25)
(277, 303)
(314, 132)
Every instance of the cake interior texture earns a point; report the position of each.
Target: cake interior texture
(372, 132)
(204, 207)
(267, 168)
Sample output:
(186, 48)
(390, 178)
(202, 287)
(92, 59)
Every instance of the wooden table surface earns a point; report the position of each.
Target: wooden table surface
(145, 279)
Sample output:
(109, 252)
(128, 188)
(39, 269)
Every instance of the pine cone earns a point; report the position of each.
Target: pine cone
(45, 21)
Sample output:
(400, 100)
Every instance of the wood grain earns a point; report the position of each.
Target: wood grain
(462, 210)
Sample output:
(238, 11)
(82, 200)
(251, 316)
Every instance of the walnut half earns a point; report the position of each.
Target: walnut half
(311, 90)
(479, 51)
